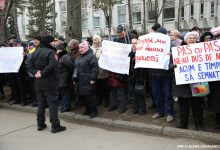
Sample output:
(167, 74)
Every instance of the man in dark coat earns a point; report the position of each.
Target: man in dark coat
(43, 65)
(84, 75)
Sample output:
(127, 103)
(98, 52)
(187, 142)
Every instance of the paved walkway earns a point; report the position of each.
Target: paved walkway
(18, 132)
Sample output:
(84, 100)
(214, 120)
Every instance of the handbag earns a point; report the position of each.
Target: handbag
(139, 89)
(200, 89)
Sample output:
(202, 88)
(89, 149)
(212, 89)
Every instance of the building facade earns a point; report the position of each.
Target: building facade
(176, 14)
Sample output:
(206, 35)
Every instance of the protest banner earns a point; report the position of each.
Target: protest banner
(152, 51)
(198, 62)
(10, 59)
(114, 57)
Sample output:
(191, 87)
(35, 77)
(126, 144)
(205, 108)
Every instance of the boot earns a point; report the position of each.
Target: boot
(58, 129)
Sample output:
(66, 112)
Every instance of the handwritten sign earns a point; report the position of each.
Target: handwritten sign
(197, 62)
(10, 59)
(152, 51)
(114, 57)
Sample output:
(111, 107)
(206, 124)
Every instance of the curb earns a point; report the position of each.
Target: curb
(207, 137)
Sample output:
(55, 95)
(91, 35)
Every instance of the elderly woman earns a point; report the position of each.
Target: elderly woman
(85, 75)
(102, 79)
(175, 38)
(185, 98)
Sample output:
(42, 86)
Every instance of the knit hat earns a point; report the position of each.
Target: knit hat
(60, 47)
(191, 33)
(155, 26)
(48, 39)
(61, 38)
(162, 30)
(84, 45)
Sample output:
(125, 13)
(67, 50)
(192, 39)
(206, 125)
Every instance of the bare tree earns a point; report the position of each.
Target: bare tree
(154, 9)
(106, 6)
(74, 27)
(130, 15)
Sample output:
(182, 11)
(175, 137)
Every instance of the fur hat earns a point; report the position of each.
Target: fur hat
(191, 33)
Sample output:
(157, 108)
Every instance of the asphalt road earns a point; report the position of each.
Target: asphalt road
(18, 131)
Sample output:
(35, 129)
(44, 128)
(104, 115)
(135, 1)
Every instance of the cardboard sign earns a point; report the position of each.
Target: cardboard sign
(114, 57)
(197, 62)
(152, 51)
(10, 59)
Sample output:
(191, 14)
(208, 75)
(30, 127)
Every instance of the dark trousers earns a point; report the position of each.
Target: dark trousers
(12, 81)
(197, 111)
(217, 117)
(102, 91)
(162, 94)
(65, 98)
(49, 97)
(31, 90)
(89, 102)
(119, 94)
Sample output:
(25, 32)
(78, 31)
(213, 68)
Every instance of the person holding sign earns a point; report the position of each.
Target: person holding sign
(161, 84)
(214, 96)
(185, 98)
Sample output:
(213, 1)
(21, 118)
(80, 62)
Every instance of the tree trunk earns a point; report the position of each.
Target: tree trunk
(144, 17)
(73, 26)
(130, 15)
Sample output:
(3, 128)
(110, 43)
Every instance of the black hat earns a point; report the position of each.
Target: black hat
(48, 39)
(155, 26)
(61, 38)
(38, 37)
(120, 29)
(162, 30)
(202, 38)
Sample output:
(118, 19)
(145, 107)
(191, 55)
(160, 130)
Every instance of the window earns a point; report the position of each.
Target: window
(136, 13)
(84, 4)
(96, 18)
(122, 14)
(182, 13)
(63, 20)
(191, 11)
(84, 18)
(169, 10)
(212, 9)
(202, 10)
(151, 11)
(62, 6)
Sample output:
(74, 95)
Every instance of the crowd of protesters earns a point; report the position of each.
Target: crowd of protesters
(53, 70)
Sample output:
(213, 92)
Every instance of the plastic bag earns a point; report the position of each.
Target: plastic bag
(200, 89)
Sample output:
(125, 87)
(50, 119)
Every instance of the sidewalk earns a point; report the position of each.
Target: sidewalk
(143, 124)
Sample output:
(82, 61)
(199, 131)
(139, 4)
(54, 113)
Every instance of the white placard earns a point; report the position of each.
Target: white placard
(197, 62)
(10, 59)
(152, 51)
(114, 57)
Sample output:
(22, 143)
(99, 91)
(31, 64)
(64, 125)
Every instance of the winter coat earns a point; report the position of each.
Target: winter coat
(103, 74)
(45, 60)
(64, 69)
(214, 97)
(87, 70)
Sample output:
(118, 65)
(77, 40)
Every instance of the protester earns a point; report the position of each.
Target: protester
(43, 65)
(137, 77)
(118, 82)
(175, 38)
(102, 79)
(65, 66)
(161, 81)
(206, 36)
(85, 75)
(185, 98)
